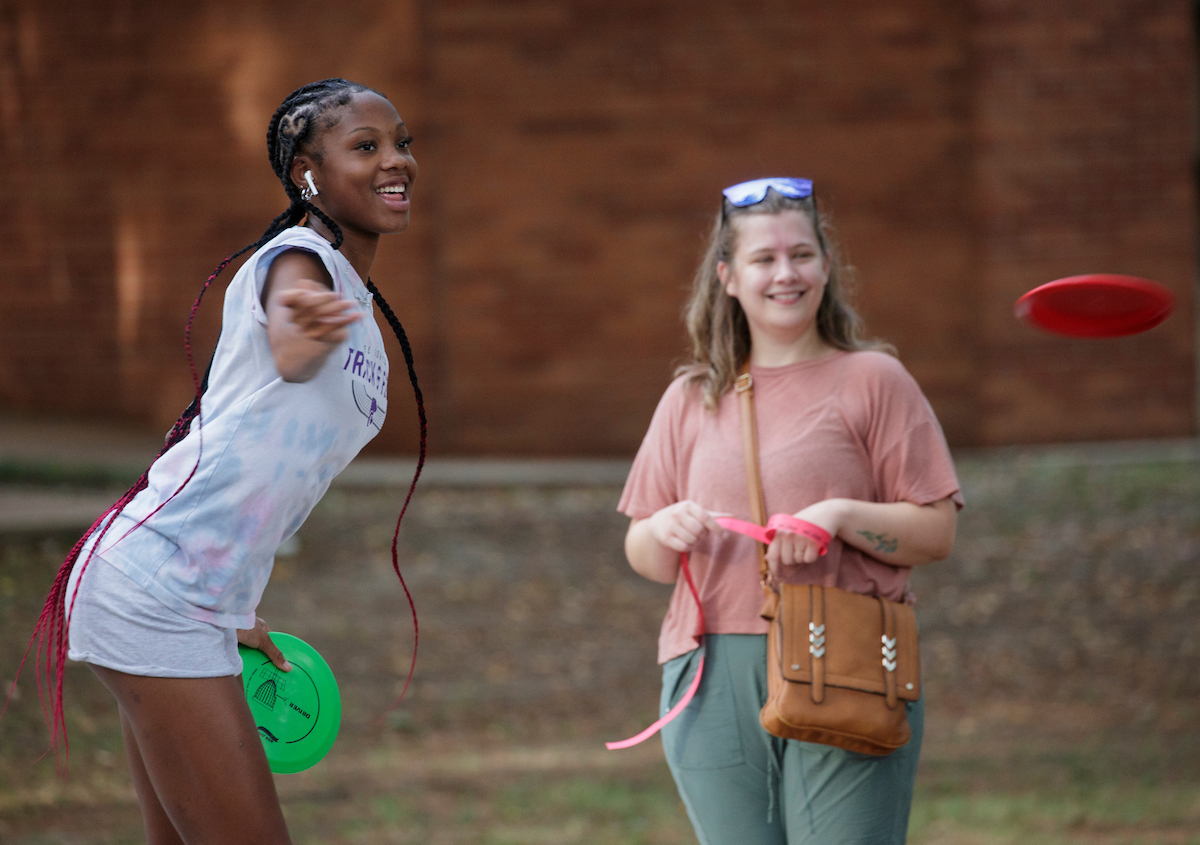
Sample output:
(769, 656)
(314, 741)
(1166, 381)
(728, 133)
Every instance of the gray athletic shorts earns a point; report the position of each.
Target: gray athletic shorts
(117, 624)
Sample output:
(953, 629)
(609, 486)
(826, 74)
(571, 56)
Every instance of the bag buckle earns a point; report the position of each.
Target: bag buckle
(743, 383)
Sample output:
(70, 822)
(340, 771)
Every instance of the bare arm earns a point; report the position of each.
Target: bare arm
(899, 533)
(653, 545)
(306, 320)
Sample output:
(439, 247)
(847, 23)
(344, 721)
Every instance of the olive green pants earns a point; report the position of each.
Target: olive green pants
(742, 786)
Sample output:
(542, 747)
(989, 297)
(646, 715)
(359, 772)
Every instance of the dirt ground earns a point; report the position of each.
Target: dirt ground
(1061, 655)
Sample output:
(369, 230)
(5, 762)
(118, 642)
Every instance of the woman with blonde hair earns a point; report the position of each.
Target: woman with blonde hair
(848, 443)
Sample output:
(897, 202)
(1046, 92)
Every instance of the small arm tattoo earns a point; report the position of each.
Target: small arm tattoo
(882, 542)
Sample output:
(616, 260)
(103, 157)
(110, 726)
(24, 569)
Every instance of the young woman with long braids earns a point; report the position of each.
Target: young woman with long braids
(848, 443)
(157, 595)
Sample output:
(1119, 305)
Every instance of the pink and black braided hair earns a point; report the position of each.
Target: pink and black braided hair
(296, 124)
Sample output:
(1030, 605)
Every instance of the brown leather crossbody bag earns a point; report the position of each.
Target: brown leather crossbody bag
(840, 665)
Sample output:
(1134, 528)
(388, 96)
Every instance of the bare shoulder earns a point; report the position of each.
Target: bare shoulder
(292, 266)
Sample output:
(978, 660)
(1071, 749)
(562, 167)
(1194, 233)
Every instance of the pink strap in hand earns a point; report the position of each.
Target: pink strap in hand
(779, 522)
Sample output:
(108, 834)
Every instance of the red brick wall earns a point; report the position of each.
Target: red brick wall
(571, 154)
(584, 146)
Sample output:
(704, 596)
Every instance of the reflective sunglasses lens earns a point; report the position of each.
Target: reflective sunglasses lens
(755, 191)
(746, 193)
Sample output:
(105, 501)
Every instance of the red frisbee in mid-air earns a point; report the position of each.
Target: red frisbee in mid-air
(1096, 305)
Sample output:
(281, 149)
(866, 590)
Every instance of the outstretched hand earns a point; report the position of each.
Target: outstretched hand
(259, 637)
(317, 312)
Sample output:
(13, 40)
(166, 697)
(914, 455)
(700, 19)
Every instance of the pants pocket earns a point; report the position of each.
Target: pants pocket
(705, 735)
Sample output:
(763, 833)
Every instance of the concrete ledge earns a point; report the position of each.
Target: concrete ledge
(24, 509)
(1099, 453)
(77, 443)
(484, 472)
(33, 505)
(40, 452)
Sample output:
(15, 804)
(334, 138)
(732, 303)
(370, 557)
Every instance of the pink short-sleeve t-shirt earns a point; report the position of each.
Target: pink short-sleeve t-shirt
(851, 425)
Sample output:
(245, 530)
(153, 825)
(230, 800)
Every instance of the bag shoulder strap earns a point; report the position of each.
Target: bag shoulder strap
(758, 505)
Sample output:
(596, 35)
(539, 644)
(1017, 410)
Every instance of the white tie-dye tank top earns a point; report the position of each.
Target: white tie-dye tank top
(270, 449)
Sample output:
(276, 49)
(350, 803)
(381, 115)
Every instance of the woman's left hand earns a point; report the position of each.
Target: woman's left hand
(788, 549)
(259, 637)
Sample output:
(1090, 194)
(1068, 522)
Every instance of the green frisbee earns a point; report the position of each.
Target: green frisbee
(298, 713)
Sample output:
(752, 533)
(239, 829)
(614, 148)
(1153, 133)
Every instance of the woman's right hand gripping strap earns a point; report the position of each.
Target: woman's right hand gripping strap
(789, 523)
(779, 522)
(695, 685)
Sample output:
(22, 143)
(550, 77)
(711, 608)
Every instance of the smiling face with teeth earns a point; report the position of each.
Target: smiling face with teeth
(778, 274)
(363, 170)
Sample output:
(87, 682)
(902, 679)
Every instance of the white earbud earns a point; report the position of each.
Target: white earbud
(312, 188)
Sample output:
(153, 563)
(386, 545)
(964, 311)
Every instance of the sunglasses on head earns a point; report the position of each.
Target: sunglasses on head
(755, 191)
